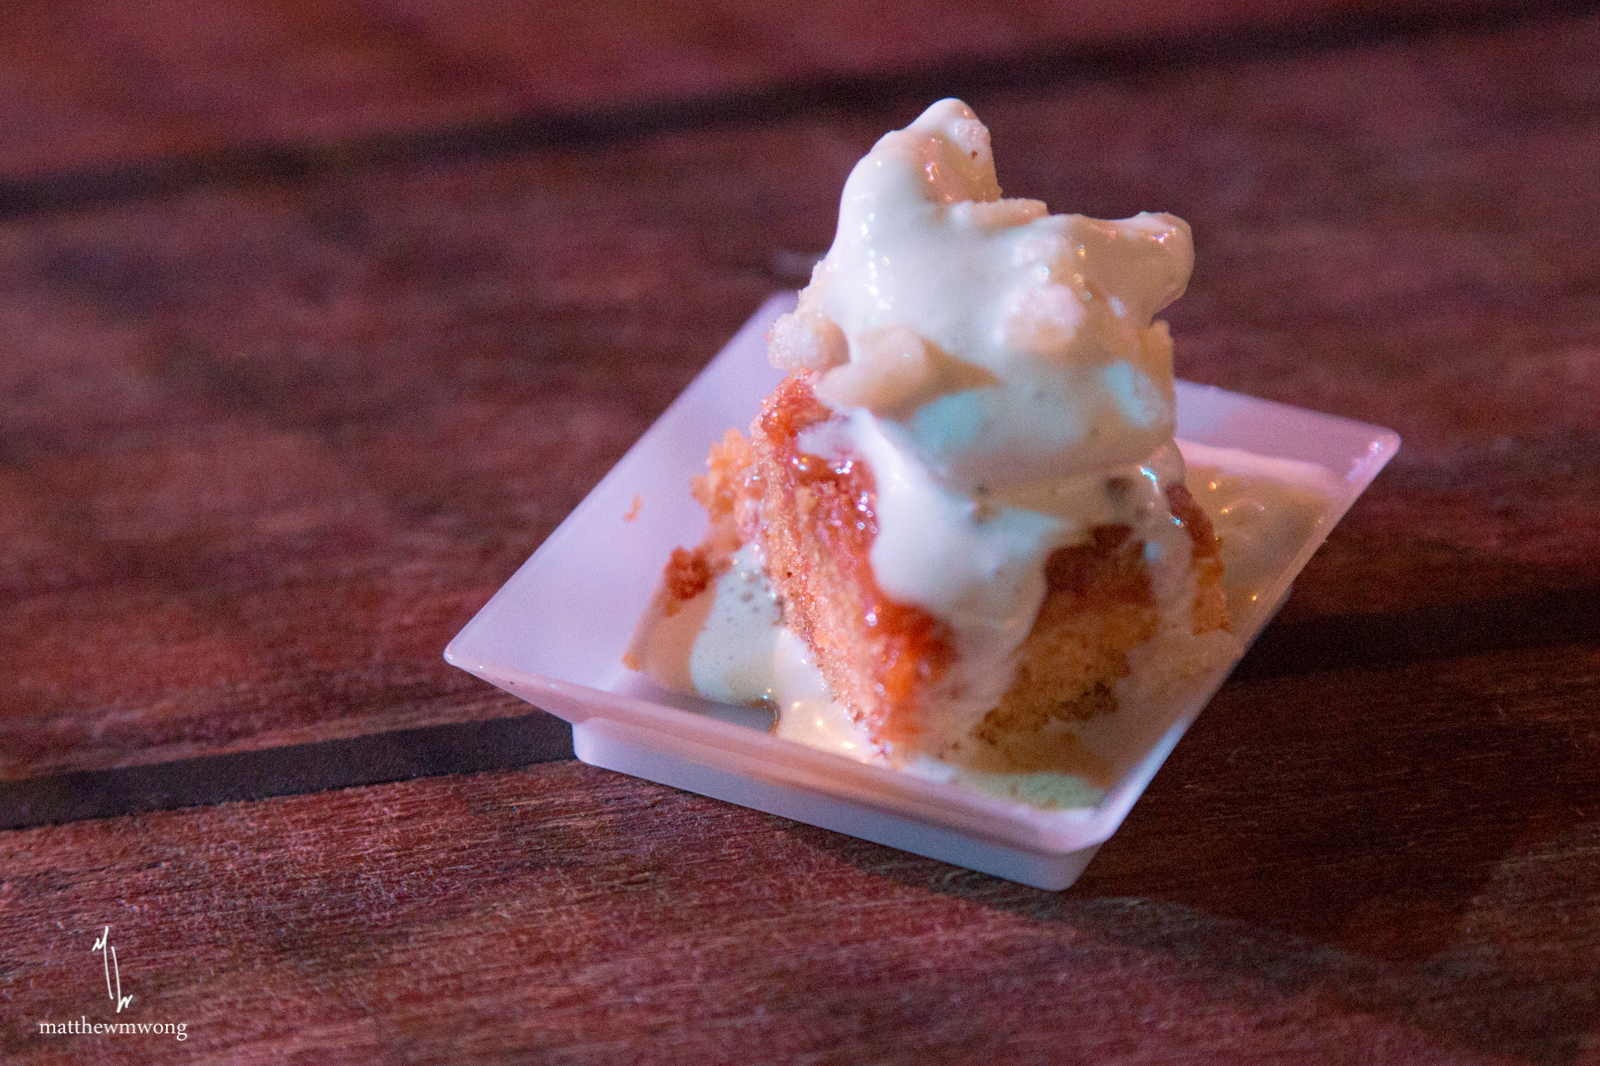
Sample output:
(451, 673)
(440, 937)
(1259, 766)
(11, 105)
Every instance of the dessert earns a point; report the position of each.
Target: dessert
(958, 529)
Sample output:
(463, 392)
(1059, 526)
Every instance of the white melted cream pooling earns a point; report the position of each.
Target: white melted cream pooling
(729, 643)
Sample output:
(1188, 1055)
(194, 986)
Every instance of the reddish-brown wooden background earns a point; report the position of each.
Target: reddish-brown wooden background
(316, 319)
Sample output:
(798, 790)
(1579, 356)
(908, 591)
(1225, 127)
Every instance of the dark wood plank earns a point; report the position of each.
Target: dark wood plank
(1346, 866)
(91, 85)
(262, 452)
(262, 455)
(287, 770)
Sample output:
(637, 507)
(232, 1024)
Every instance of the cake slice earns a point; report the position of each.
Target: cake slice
(963, 503)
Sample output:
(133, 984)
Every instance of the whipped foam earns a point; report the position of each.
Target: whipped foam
(999, 368)
(1002, 342)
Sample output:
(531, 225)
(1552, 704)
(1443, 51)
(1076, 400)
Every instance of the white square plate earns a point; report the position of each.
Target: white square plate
(554, 635)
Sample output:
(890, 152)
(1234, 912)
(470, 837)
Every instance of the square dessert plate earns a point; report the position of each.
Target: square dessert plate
(555, 634)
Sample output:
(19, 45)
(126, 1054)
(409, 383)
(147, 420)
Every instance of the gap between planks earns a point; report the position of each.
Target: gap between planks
(1047, 66)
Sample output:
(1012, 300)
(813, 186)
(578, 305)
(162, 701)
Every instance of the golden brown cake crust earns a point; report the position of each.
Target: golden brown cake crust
(1098, 607)
(817, 528)
(1210, 602)
(688, 574)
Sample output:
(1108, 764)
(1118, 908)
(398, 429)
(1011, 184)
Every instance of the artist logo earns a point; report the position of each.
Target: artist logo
(113, 974)
(104, 947)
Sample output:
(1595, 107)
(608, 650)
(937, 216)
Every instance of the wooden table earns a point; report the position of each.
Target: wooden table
(316, 319)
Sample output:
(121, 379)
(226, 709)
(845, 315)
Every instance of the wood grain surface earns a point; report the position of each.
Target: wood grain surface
(138, 93)
(270, 434)
(267, 449)
(1316, 900)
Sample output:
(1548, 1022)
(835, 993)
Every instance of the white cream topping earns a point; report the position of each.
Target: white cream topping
(807, 711)
(998, 369)
(930, 266)
(729, 644)
(731, 659)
